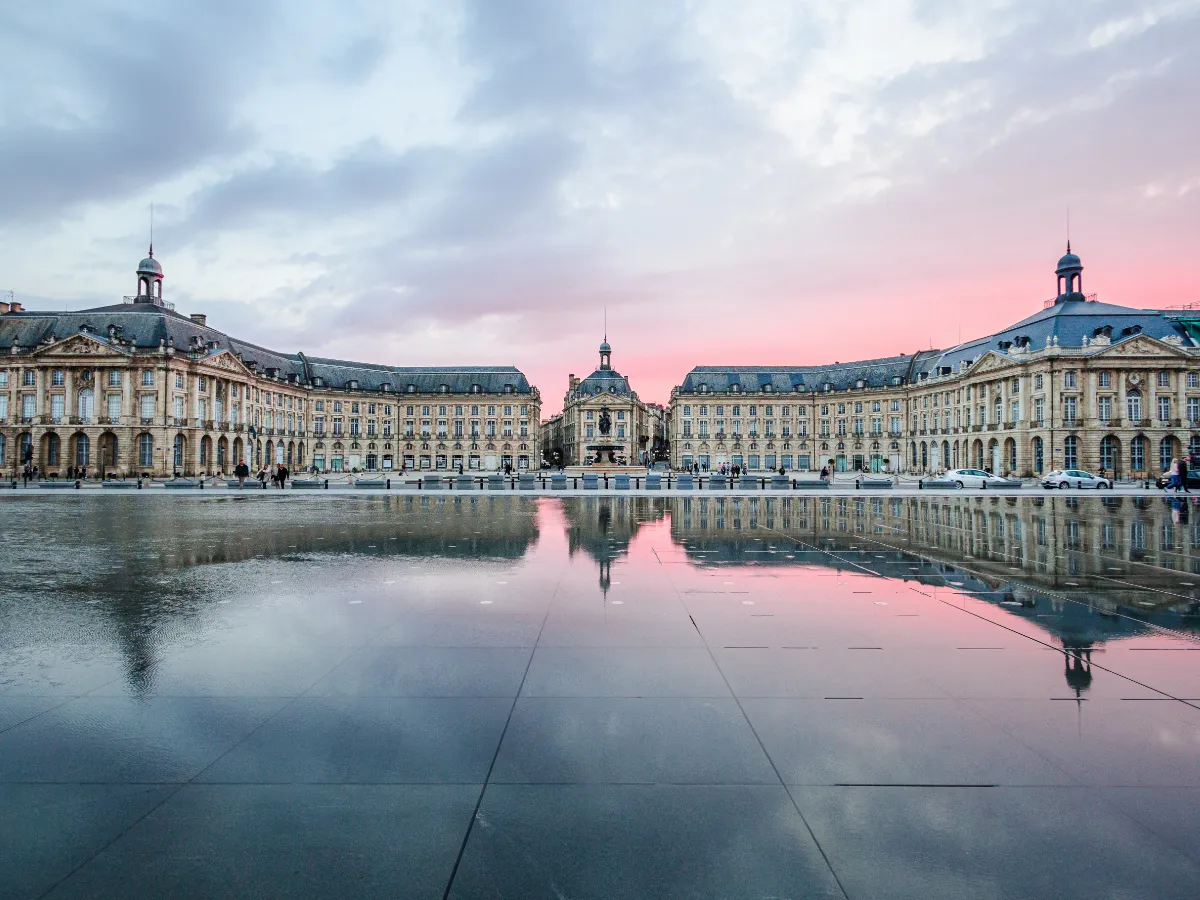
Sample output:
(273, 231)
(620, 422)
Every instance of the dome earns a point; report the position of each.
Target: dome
(149, 266)
(1069, 261)
(604, 348)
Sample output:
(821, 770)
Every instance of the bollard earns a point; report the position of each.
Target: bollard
(920, 481)
(139, 487)
(857, 486)
(78, 484)
(574, 484)
(388, 486)
(326, 484)
(668, 481)
(201, 482)
(983, 485)
(637, 482)
(606, 481)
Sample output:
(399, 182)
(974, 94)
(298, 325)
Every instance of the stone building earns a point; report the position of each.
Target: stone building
(139, 388)
(603, 421)
(1078, 384)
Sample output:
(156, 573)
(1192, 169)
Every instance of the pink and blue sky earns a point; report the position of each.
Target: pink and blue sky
(423, 183)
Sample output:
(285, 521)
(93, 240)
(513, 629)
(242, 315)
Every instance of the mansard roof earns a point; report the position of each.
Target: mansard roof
(785, 379)
(149, 326)
(604, 381)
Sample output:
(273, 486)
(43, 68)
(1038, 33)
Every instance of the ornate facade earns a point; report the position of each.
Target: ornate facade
(139, 388)
(603, 420)
(1079, 384)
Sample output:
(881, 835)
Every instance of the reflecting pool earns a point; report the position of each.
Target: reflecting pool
(498, 696)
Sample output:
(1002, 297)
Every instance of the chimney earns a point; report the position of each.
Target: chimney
(3, 308)
(16, 307)
(199, 318)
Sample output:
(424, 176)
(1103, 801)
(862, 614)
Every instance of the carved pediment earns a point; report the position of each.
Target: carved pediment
(80, 345)
(226, 362)
(990, 362)
(1142, 345)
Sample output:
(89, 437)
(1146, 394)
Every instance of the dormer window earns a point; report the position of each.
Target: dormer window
(412, 388)
(703, 389)
(860, 383)
(477, 389)
(766, 388)
(352, 384)
(508, 389)
(444, 388)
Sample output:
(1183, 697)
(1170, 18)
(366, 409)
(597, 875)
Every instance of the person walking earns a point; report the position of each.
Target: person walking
(241, 472)
(262, 477)
(1172, 476)
(1183, 474)
(283, 476)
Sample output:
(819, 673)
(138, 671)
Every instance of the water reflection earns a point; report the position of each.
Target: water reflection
(96, 584)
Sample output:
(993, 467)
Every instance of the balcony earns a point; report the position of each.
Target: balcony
(147, 421)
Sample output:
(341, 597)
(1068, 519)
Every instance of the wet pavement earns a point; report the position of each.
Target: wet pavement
(517, 697)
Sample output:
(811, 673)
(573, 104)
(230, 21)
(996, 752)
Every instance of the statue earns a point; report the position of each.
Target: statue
(605, 421)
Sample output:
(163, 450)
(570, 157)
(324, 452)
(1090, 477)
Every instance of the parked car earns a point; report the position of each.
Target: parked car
(974, 478)
(1075, 478)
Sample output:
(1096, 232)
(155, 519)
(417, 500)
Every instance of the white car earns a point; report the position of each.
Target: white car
(973, 478)
(1074, 478)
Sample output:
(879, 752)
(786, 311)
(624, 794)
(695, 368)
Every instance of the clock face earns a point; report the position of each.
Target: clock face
(1135, 378)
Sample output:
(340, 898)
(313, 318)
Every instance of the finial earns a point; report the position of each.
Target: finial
(152, 231)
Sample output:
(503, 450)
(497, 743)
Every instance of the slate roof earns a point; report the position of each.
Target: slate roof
(148, 325)
(604, 381)
(1070, 321)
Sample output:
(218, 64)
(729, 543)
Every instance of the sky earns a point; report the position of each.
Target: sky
(469, 182)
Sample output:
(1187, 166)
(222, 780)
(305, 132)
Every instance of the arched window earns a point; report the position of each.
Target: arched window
(1137, 454)
(179, 451)
(52, 449)
(1108, 454)
(1012, 456)
(146, 450)
(1039, 459)
(205, 442)
(25, 444)
(3, 448)
(1071, 453)
(86, 406)
(1166, 452)
(83, 450)
(1193, 446)
(1133, 404)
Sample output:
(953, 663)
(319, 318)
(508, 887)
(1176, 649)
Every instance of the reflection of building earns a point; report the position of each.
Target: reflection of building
(1060, 545)
(1077, 384)
(603, 527)
(137, 387)
(603, 421)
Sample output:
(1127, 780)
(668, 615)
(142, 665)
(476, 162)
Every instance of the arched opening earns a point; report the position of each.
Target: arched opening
(1071, 452)
(86, 405)
(291, 453)
(1137, 454)
(3, 449)
(83, 450)
(1039, 456)
(222, 453)
(25, 449)
(51, 451)
(270, 459)
(108, 451)
(1010, 455)
(180, 451)
(239, 451)
(993, 457)
(1110, 452)
(1167, 452)
(205, 450)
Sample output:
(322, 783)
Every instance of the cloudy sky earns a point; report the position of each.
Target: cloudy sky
(476, 182)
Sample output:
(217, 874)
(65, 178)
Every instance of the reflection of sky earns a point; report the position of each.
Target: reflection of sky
(130, 587)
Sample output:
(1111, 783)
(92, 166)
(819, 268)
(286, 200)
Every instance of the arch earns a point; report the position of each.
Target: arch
(180, 448)
(1010, 454)
(3, 449)
(1039, 456)
(1110, 454)
(977, 454)
(108, 451)
(300, 452)
(51, 450)
(85, 405)
(222, 453)
(82, 454)
(239, 451)
(205, 450)
(291, 452)
(1070, 452)
(1138, 453)
(924, 455)
(1168, 451)
(270, 457)
(25, 448)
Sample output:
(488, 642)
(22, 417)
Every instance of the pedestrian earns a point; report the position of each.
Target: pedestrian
(1183, 474)
(824, 473)
(262, 476)
(1172, 476)
(241, 471)
(283, 476)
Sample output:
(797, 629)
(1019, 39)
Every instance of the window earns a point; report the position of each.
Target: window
(1133, 402)
(179, 380)
(1039, 412)
(1071, 453)
(1164, 408)
(3, 380)
(1108, 454)
(82, 450)
(1193, 409)
(1164, 379)
(58, 378)
(145, 450)
(1193, 379)
(29, 378)
(1069, 378)
(1104, 408)
(148, 378)
(1070, 410)
(1105, 379)
(1037, 384)
(1137, 454)
(147, 406)
(1166, 453)
(56, 407)
(1016, 389)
